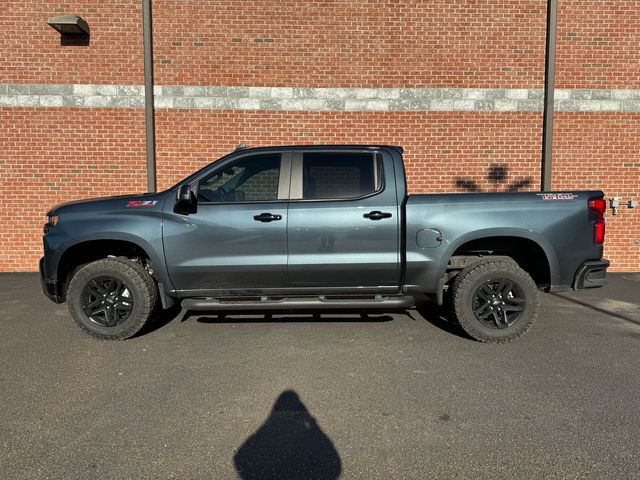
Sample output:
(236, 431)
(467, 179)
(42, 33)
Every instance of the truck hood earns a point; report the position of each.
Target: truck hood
(143, 200)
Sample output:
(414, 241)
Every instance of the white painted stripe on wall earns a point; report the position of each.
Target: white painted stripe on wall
(317, 99)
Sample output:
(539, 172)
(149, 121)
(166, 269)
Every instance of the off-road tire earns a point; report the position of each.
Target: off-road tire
(140, 284)
(470, 281)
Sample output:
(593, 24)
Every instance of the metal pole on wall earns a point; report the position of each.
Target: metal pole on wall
(549, 90)
(149, 110)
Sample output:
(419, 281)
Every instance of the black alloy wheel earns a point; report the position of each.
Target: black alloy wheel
(494, 300)
(107, 301)
(112, 298)
(498, 303)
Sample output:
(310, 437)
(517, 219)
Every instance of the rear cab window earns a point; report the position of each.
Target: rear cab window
(340, 175)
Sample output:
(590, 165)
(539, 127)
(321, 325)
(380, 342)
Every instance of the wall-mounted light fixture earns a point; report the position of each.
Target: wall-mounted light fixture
(69, 25)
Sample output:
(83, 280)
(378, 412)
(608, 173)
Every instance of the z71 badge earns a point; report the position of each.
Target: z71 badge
(141, 203)
(558, 196)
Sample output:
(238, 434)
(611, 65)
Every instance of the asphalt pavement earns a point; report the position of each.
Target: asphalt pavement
(401, 396)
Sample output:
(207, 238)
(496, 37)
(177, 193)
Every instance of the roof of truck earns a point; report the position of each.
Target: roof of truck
(320, 147)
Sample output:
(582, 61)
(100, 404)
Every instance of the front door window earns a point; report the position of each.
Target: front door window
(252, 179)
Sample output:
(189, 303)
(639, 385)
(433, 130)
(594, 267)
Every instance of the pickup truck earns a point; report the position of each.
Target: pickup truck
(318, 228)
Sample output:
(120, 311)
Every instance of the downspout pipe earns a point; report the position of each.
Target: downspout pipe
(549, 93)
(149, 109)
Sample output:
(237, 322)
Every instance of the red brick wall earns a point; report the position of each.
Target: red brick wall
(442, 149)
(367, 43)
(31, 50)
(600, 151)
(598, 49)
(56, 155)
(598, 44)
(63, 153)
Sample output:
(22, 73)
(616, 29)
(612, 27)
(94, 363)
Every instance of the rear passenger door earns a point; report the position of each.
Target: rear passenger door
(343, 228)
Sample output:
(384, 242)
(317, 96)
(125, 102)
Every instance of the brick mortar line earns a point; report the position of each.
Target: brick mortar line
(317, 99)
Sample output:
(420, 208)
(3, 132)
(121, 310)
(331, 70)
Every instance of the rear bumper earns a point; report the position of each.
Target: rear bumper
(51, 288)
(591, 274)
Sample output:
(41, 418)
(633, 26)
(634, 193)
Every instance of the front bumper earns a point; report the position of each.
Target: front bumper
(51, 288)
(591, 274)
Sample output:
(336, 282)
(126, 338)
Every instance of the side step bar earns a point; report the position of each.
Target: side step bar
(300, 303)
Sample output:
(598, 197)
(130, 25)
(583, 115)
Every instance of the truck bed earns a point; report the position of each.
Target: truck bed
(440, 225)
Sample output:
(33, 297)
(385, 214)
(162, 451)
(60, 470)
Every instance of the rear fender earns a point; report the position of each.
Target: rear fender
(537, 238)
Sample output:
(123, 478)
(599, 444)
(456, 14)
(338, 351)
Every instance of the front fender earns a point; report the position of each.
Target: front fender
(143, 229)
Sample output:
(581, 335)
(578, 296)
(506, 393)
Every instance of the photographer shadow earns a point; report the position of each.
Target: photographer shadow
(289, 445)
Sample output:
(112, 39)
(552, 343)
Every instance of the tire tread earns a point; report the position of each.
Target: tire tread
(144, 281)
(465, 280)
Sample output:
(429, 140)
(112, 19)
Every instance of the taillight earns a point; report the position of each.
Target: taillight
(599, 206)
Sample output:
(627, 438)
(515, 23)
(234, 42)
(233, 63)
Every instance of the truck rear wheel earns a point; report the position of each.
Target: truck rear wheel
(112, 298)
(495, 301)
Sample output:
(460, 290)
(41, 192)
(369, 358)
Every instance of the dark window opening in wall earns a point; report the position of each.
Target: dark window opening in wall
(340, 175)
(252, 179)
(78, 40)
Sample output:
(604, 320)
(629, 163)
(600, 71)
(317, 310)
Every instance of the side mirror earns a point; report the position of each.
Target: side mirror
(184, 196)
(185, 200)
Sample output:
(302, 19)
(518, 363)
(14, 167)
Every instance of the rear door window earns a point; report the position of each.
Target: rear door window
(340, 175)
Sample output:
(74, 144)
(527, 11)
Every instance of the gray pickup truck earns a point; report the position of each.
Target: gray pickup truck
(319, 228)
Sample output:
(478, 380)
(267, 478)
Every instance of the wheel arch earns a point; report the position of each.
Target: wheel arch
(530, 250)
(86, 250)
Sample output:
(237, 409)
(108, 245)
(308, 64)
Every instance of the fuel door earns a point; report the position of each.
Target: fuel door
(429, 238)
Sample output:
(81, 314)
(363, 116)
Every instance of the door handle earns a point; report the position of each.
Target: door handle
(377, 215)
(267, 217)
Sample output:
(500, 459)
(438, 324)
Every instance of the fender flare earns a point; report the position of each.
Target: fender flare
(157, 261)
(537, 238)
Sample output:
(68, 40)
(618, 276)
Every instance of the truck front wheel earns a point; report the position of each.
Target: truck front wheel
(495, 301)
(112, 298)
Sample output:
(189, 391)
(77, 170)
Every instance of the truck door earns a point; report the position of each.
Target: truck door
(236, 240)
(344, 223)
